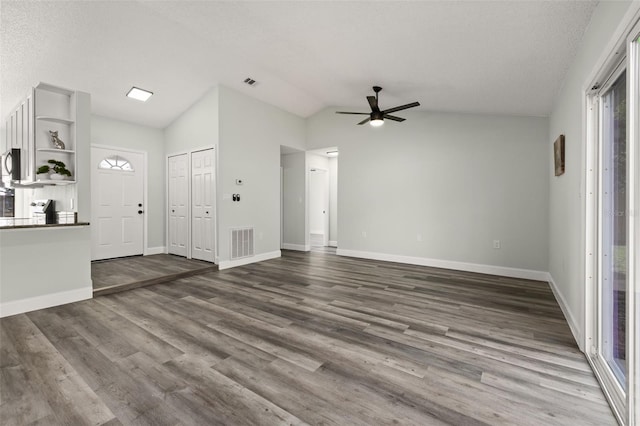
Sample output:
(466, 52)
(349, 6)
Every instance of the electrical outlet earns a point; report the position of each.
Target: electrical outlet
(496, 244)
(419, 237)
(364, 234)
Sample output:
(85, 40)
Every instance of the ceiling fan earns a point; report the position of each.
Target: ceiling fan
(376, 117)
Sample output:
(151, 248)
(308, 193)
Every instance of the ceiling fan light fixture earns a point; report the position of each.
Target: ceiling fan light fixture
(377, 116)
(377, 119)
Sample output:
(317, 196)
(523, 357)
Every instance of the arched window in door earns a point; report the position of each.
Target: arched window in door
(116, 162)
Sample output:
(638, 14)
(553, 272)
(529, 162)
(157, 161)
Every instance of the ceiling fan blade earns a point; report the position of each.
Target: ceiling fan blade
(373, 103)
(365, 121)
(393, 117)
(400, 108)
(357, 113)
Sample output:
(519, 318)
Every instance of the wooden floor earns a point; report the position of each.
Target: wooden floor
(310, 338)
(115, 275)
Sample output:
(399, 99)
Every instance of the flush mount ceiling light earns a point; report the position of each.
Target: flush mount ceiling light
(139, 94)
(332, 153)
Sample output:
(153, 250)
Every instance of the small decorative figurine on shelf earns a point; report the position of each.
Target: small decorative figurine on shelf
(55, 141)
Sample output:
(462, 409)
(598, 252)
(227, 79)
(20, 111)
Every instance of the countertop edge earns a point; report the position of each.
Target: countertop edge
(46, 226)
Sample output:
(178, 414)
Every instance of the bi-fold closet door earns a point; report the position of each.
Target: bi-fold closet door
(191, 202)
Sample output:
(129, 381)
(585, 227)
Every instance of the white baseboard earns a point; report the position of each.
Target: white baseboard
(576, 330)
(333, 243)
(45, 301)
(155, 250)
(226, 264)
(297, 247)
(504, 271)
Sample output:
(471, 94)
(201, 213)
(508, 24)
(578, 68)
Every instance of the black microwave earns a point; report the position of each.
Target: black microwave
(10, 168)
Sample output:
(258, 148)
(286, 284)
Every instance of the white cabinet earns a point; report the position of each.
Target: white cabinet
(19, 134)
(45, 109)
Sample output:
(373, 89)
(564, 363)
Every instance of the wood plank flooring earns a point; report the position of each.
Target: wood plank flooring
(310, 338)
(115, 275)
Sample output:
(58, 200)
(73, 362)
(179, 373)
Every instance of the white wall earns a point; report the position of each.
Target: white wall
(294, 202)
(107, 131)
(196, 128)
(459, 181)
(251, 133)
(566, 204)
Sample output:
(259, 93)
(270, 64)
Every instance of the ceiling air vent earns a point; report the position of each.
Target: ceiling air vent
(250, 81)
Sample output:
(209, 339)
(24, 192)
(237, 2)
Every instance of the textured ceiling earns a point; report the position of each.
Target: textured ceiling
(476, 56)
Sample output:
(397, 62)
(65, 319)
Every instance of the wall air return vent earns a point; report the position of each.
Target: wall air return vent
(241, 242)
(250, 81)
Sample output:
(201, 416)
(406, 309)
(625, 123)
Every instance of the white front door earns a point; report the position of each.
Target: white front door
(178, 208)
(117, 194)
(202, 205)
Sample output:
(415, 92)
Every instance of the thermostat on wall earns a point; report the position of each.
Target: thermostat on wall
(239, 181)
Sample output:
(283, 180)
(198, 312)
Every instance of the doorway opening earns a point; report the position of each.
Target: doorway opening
(309, 199)
(322, 195)
(318, 208)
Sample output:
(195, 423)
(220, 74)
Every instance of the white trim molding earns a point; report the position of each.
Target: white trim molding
(15, 307)
(504, 271)
(575, 327)
(297, 247)
(155, 250)
(226, 264)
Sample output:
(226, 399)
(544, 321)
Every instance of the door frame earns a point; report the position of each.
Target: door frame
(625, 407)
(145, 192)
(189, 153)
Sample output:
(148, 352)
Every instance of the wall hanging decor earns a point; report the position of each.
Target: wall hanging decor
(558, 155)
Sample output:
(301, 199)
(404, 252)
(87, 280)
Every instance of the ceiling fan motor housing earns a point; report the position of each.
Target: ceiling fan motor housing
(377, 115)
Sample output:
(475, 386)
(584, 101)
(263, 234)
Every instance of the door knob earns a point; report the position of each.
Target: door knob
(206, 212)
(173, 211)
(139, 211)
(139, 204)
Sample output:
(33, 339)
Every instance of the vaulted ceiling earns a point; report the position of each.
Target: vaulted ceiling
(463, 56)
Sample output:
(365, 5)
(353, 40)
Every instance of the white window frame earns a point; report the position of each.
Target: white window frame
(624, 402)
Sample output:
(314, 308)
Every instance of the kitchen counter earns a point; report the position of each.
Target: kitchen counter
(20, 223)
(43, 266)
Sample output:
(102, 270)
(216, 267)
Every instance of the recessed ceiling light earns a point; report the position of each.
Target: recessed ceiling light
(139, 94)
(332, 153)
